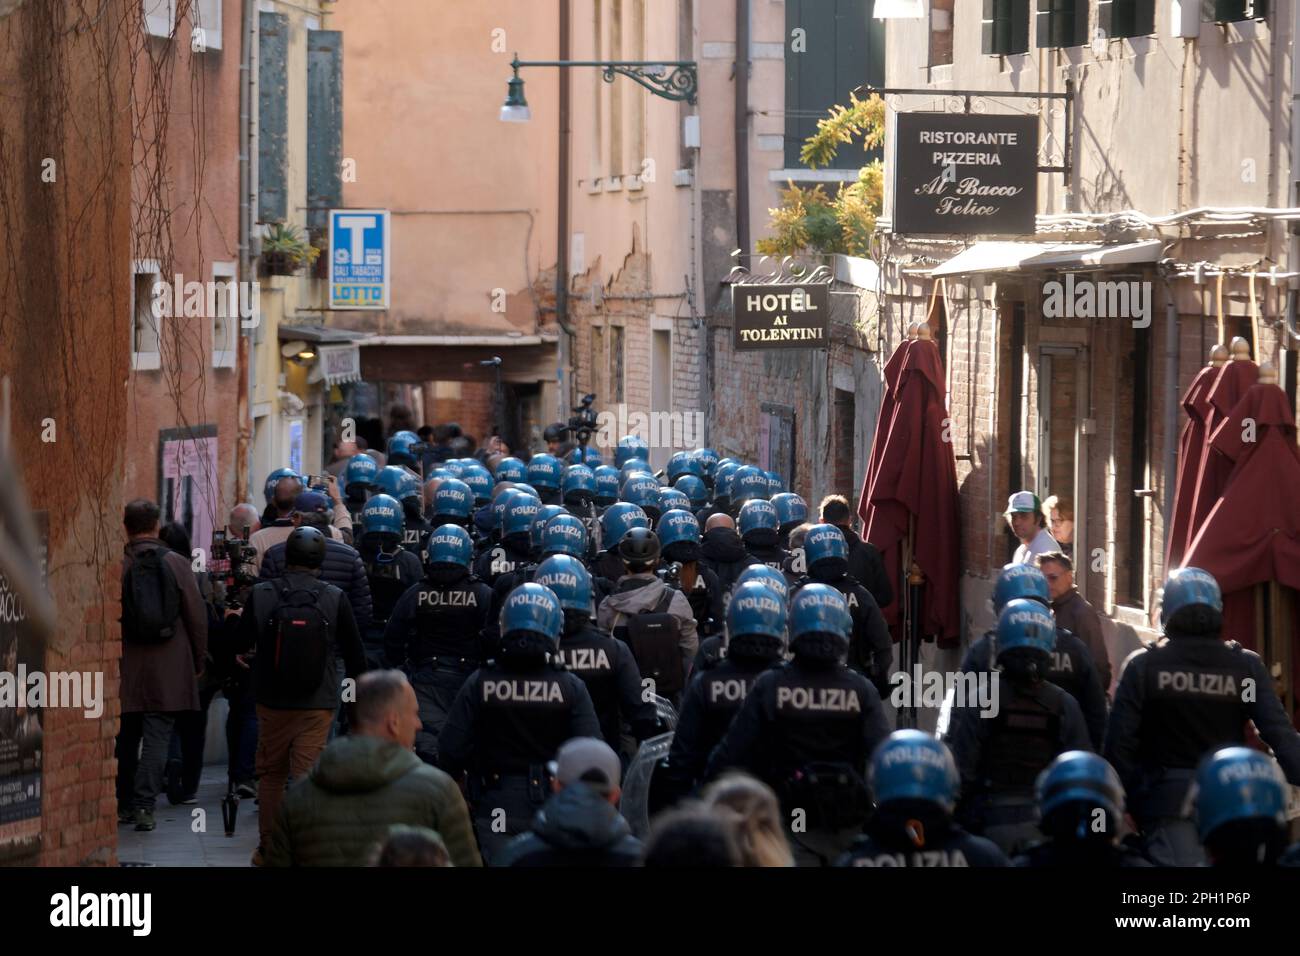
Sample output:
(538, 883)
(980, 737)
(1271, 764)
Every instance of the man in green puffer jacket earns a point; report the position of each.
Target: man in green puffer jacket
(368, 781)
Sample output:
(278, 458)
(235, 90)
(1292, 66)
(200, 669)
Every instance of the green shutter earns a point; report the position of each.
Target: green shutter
(988, 28)
(272, 117)
(1144, 18)
(324, 124)
(1018, 41)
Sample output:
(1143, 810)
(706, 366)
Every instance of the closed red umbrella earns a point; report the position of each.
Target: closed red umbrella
(912, 486)
(1229, 386)
(1252, 535)
(893, 371)
(1191, 449)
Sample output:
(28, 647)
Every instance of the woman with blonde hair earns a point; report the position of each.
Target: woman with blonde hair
(756, 815)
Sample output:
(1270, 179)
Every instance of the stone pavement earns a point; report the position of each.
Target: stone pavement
(174, 841)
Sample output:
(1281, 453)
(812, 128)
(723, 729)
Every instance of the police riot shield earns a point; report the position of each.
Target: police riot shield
(665, 712)
(635, 801)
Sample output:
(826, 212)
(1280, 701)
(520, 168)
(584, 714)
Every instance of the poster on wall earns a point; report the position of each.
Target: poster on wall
(295, 445)
(21, 727)
(189, 486)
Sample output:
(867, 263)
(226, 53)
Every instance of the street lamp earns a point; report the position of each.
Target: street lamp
(672, 80)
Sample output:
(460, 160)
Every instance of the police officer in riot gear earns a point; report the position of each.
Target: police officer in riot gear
(696, 492)
(1081, 814)
(826, 554)
(578, 491)
(628, 448)
(517, 510)
(405, 487)
(390, 569)
(708, 459)
(1240, 799)
(606, 492)
(748, 483)
(358, 482)
(1178, 699)
(642, 491)
(618, 519)
(683, 463)
(604, 663)
(511, 469)
(722, 551)
(510, 718)
(791, 511)
(436, 631)
(400, 449)
(535, 532)
(453, 503)
(759, 529)
(679, 553)
(1000, 751)
(756, 624)
(1070, 666)
(807, 728)
(544, 475)
(721, 503)
(670, 498)
(914, 782)
(712, 648)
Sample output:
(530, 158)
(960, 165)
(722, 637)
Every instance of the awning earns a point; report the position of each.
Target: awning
(319, 334)
(1060, 256)
(340, 363)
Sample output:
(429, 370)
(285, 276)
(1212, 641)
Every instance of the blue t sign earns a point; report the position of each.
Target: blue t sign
(360, 259)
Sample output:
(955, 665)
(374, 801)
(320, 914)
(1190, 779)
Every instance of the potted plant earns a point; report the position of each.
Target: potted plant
(285, 251)
(320, 242)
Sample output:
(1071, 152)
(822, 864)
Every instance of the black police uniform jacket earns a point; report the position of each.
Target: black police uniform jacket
(920, 839)
(710, 703)
(606, 665)
(439, 621)
(871, 649)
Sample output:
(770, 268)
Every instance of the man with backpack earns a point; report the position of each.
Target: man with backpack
(297, 626)
(164, 642)
(655, 620)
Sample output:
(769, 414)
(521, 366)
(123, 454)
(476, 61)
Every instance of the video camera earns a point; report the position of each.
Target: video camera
(583, 422)
(233, 559)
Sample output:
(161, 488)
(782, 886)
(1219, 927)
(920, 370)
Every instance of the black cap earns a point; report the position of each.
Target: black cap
(305, 548)
(639, 546)
(555, 432)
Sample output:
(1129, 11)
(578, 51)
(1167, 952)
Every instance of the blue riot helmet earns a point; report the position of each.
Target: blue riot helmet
(479, 481)
(633, 466)
(618, 519)
(1192, 603)
(775, 483)
(565, 534)
(532, 608)
(757, 515)
(544, 472)
(499, 505)
(510, 469)
(708, 459)
(747, 484)
(817, 612)
(454, 467)
(544, 514)
(268, 489)
(1019, 581)
(912, 765)
(571, 582)
(391, 480)
(628, 448)
(677, 524)
(642, 491)
(440, 472)
(449, 544)
(722, 480)
(383, 515)
(764, 574)
(791, 509)
(519, 513)
(606, 484)
(1074, 785)
(694, 488)
(592, 457)
(360, 473)
(453, 502)
(756, 621)
(409, 487)
(527, 489)
(399, 448)
(670, 498)
(1237, 784)
(578, 485)
(825, 542)
(684, 463)
(1025, 624)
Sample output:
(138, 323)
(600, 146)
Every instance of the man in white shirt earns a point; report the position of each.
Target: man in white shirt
(1029, 524)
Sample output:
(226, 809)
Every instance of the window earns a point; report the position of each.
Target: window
(831, 48)
(1062, 23)
(146, 337)
(1127, 18)
(615, 167)
(225, 318)
(159, 17)
(616, 364)
(205, 25)
(597, 381)
(636, 118)
(1231, 11)
(685, 51)
(845, 419)
(776, 440)
(598, 88)
(324, 125)
(1004, 29)
(941, 32)
(272, 117)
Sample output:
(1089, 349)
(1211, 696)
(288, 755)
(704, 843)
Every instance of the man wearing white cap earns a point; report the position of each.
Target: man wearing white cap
(1029, 524)
(580, 825)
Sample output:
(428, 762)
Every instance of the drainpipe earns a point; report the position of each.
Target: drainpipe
(246, 374)
(1171, 408)
(565, 363)
(742, 128)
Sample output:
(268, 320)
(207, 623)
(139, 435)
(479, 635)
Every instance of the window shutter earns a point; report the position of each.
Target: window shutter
(1080, 24)
(1043, 25)
(988, 29)
(1106, 21)
(1144, 18)
(1018, 41)
(324, 124)
(272, 116)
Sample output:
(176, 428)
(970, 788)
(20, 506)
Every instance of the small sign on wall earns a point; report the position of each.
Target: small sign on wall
(781, 316)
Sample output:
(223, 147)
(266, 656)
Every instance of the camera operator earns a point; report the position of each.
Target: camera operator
(234, 572)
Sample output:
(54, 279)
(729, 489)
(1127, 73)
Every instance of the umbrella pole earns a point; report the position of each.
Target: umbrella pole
(907, 713)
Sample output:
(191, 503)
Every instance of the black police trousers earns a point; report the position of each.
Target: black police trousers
(435, 684)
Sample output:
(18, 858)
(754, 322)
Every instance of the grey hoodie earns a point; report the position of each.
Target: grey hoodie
(641, 592)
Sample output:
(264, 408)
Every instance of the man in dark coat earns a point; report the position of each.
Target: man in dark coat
(159, 679)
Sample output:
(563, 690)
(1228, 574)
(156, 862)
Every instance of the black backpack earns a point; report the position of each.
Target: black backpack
(653, 635)
(297, 640)
(151, 599)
